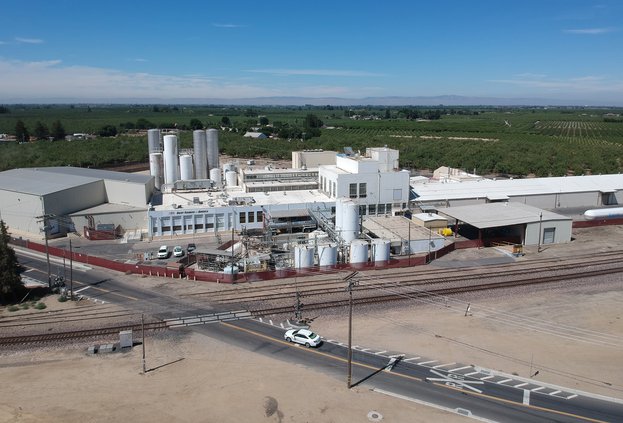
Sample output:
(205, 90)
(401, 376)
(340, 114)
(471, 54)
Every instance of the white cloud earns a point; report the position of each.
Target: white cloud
(51, 79)
(219, 25)
(589, 31)
(28, 40)
(315, 72)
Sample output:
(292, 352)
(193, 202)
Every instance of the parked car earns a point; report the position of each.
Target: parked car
(163, 252)
(178, 251)
(303, 336)
(191, 247)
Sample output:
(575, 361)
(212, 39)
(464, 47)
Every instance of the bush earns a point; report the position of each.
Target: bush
(25, 306)
(62, 298)
(13, 308)
(40, 306)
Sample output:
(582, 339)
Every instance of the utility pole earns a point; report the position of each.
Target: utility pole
(44, 218)
(143, 343)
(352, 282)
(71, 272)
(540, 224)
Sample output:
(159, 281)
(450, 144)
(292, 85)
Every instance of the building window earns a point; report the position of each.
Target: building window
(333, 194)
(251, 217)
(549, 235)
(260, 216)
(381, 208)
(372, 209)
(352, 191)
(398, 194)
(362, 210)
(243, 217)
(388, 208)
(363, 190)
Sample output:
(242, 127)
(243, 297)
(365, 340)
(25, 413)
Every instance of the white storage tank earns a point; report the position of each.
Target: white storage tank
(339, 211)
(231, 178)
(155, 168)
(186, 167)
(215, 175)
(212, 141)
(153, 141)
(380, 249)
(230, 270)
(350, 221)
(303, 257)
(171, 165)
(200, 148)
(229, 167)
(327, 255)
(359, 251)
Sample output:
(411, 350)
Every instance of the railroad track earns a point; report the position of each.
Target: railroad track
(78, 334)
(403, 294)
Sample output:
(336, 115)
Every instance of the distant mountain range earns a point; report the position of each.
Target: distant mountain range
(437, 101)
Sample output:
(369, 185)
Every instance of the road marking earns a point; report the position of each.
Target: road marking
(555, 392)
(521, 384)
(526, 397)
(412, 358)
(538, 389)
(427, 362)
(380, 352)
(81, 289)
(459, 368)
(487, 377)
(443, 365)
(571, 396)
(471, 373)
(504, 381)
(455, 381)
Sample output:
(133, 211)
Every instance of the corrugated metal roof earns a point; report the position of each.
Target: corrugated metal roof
(436, 191)
(47, 180)
(40, 182)
(494, 215)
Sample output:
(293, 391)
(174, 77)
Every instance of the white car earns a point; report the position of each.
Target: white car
(178, 251)
(303, 336)
(163, 252)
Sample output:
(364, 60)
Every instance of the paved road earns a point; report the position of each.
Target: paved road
(460, 389)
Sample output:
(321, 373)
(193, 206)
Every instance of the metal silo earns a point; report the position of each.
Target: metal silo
(359, 251)
(171, 165)
(350, 221)
(153, 141)
(215, 175)
(380, 250)
(303, 257)
(200, 145)
(231, 178)
(155, 168)
(212, 140)
(327, 255)
(186, 167)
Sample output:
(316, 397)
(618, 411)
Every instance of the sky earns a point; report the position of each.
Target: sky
(564, 50)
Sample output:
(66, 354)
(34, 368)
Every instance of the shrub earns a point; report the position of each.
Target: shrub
(13, 308)
(25, 306)
(62, 298)
(40, 306)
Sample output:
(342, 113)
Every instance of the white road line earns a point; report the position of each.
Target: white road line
(487, 377)
(538, 389)
(521, 384)
(412, 358)
(472, 373)
(29, 270)
(526, 396)
(427, 362)
(555, 392)
(443, 365)
(571, 396)
(459, 368)
(504, 381)
(380, 352)
(81, 289)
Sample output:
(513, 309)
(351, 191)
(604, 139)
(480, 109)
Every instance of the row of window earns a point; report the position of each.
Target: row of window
(328, 187)
(363, 190)
(250, 217)
(273, 176)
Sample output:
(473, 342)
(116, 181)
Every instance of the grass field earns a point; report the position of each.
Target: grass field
(516, 142)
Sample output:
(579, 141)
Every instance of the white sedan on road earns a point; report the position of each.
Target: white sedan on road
(303, 336)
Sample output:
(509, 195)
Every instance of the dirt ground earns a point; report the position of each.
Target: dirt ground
(193, 378)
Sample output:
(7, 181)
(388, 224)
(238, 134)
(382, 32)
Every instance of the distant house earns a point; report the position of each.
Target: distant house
(256, 135)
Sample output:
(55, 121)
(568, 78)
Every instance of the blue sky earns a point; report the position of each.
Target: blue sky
(569, 50)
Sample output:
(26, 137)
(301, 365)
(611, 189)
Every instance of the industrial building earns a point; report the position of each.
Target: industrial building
(329, 209)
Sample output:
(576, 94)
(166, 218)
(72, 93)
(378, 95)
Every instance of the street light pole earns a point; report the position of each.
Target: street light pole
(352, 282)
(540, 224)
(71, 272)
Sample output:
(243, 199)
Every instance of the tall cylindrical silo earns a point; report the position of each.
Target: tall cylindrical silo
(171, 164)
(215, 175)
(186, 167)
(359, 251)
(200, 146)
(153, 140)
(327, 255)
(380, 250)
(155, 168)
(339, 213)
(212, 141)
(231, 178)
(303, 256)
(350, 221)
